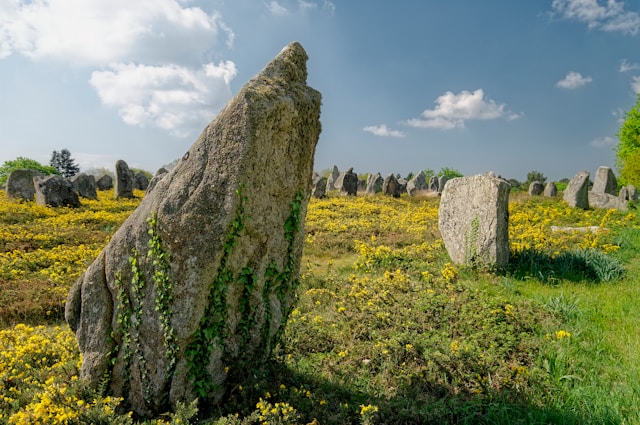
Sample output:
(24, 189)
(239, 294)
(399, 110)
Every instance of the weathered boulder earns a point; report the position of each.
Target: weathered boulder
(390, 186)
(20, 184)
(402, 185)
(140, 181)
(605, 181)
(577, 192)
(474, 220)
(550, 190)
(347, 183)
(319, 187)
(85, 185)
(606, 200)
(417, 184)
(628, 193)
(194, 289)
(536, 188)
(56, 191)
(362, 185)
(331, 180)
(374, 184)
(125, 180)
(104, 183)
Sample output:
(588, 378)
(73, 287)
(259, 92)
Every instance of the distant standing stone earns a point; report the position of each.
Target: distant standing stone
(605, 181)
(374, 184)
(442, 180)
(319, 187)
(417, 183)
(433, 184)
(331, 180)
(535, 188)
(577, 192)
(390, 186)
(550, 190)
(20, 184)
(104, 183)
(124, 184)
(348, 183)
(140, 181)
(474, 220)
(85, 184)
(56, 191)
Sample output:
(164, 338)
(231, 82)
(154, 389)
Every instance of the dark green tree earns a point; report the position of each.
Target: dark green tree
(64, 163)
(535, 176)
(628, 149)
(449, 173)
(22, 162)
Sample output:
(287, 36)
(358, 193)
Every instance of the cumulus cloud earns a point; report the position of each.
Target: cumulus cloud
(635, 84)
(626, 66)
(383, 131)
(171, 97)
(604, 142)
(149, 52)
(99, 32)
(609, 16)
(453, 110)
(278, 9)
(573, 80)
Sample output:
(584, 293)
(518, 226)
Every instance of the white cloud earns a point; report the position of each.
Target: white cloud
(635, 84)
(573, 80)
(625, 66)
(604, 142)
(171, 97)
(452, 110)
(99, 32)
(383, 131)
(610, 16)
(277, 9)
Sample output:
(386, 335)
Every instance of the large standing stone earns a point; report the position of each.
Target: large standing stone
(605, 181)
(85, 185)
(20, 184)
(577, 192)
(474, 220)
(374, 184)
(104, 183)
(125, 180)
(56, 191)
(192, 292)
(140, 181)
(347, 183)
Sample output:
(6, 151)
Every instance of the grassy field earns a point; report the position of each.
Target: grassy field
(386, 330)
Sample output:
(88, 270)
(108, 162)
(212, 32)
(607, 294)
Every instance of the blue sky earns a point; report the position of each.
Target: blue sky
(504, 86)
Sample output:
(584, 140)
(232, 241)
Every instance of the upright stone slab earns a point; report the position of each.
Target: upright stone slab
(536, 188)
(20, 184)
(85, 185)
(319, 187)
(125, 180)
(474, 220)
(390, 186)
(442, 181)
(104, 183)
(577, 192)
(192, 292)
(140, 181)
(433, 184)
(605, 181)
(417, 184)
(374, 184)
(347, 183)
(550, 190)
(55, 191)
(331, 180)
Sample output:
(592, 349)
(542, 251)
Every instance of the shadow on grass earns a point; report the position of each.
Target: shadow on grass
(321, 402)
(580, 265)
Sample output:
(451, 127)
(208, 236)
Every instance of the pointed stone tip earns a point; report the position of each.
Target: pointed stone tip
(290, 64)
